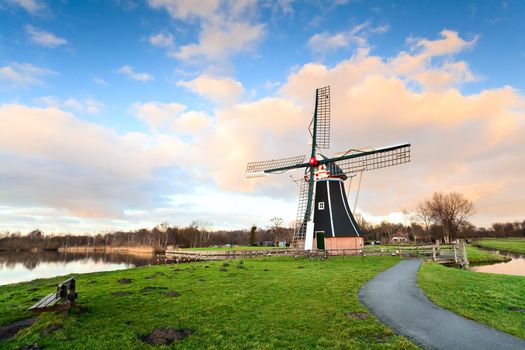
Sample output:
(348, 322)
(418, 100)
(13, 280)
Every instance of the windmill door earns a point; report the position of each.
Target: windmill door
(320, 239)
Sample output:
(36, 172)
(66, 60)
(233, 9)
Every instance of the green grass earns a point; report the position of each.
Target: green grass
(477, 256)
(513, 245)
(270, 303)
(232, 248)
(492, 299)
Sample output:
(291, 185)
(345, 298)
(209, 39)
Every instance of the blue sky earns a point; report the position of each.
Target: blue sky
(123, 114)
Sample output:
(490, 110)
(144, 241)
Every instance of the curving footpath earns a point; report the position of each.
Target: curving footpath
(394, 297)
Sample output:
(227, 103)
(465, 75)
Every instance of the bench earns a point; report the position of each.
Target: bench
(61, 300)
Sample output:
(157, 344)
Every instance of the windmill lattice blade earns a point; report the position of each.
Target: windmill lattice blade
(379, 159)
(268, 165)
(300, 223)
(322, 139)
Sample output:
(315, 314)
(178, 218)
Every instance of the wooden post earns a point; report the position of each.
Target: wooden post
(438, 247)
(455, 254)
(72, 291)
(463, 249)
(62, 293)
(433, 253)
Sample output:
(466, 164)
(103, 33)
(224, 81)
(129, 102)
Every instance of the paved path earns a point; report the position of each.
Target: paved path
(394, 297)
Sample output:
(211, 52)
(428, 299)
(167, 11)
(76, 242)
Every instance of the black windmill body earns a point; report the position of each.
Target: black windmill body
(324, 218)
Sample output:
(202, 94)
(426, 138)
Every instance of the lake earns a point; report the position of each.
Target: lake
(25, 266)
(514, 267)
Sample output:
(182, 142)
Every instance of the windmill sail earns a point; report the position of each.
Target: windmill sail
(300, 222)
(372, 160)
(322, 119)
(254, 169)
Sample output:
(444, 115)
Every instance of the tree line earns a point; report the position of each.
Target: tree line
(443, 216)
(197, 234)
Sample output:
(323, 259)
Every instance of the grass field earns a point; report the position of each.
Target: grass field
(271, 303)
(478, 256)
(496, 300)
(513, 245)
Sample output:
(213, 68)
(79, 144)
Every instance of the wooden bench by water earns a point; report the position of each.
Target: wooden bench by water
(61, 300)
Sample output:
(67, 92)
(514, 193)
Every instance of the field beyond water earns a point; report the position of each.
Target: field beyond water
(513, 245)
(495, 300)
(273, 303)
(478, 256)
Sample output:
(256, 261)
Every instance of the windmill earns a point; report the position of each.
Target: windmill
(324, 218)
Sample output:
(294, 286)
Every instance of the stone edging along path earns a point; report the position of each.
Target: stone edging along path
(394, 297)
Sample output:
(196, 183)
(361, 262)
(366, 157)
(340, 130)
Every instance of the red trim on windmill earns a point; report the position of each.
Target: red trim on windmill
(314, 161)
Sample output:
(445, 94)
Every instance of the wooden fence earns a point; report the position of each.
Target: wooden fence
(452, 253)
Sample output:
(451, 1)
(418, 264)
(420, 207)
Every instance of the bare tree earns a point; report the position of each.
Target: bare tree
(162, 232)
(449, 210)
(424, 213)
(276, 228)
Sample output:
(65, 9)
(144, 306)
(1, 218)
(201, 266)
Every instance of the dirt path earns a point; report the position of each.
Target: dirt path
(9, 331)
(394, 297)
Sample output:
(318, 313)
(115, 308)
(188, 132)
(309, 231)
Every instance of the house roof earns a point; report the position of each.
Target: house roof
(400, 234)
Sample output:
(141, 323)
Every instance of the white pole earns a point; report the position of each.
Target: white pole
(358, 188)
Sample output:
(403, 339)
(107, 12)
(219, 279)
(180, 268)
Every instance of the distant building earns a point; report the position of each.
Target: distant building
(400, 237)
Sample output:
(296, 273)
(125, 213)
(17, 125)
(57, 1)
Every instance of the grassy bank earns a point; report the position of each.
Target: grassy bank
(273, 303)
(478, 256)
(513, 245)
(495, 300)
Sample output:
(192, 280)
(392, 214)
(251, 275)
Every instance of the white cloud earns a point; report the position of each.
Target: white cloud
(53, 159)
(220, 41)
(218, 90)
(450, 43)
(421, 65)
(23, 74)
(154, 114)
(270, 85)
(184, 9)
(263, 129)
(192, 122)
(44, 38)
(130, 72)
(99, 81)
(322, 42)
(325, 42)
(86, 105)
(171, 117)
(31, 6)
(162, 39)
(224, 30)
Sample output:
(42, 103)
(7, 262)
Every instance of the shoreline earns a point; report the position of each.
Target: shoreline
(91, 249)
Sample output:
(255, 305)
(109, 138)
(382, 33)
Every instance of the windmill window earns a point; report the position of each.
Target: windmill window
(320, 205)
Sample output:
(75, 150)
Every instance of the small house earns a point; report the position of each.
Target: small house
(400, 237)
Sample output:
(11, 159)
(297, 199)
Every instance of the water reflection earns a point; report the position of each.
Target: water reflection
(25, 266)
(516, 266)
